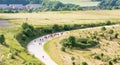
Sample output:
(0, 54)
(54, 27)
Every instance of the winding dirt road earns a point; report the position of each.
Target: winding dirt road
(36, 46)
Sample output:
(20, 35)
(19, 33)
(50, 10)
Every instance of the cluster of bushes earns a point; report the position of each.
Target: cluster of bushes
(106, 58)
(110, 4)
(59, 6)
(82, 43)
(109, 34)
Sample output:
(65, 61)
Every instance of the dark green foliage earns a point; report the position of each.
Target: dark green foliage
(116, 35)
(63, 49)
(111, 31)
(73, 63)
(103, 28)
(66, 27)
(82, 43)
(56, 28)
(72, 40)
(108, 23)
(110, 63)
(84, 63)
(2, 39)
(97, 57)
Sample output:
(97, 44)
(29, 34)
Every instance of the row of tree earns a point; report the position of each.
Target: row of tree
(110, 4)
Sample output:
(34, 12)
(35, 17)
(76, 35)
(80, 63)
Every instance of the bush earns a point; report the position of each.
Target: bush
(73, 63)
(111, 31)
(108, 23)
(84, 63)
(72, 58)
(110, 63)
(2, 39)
(63, 49)
(103, 28)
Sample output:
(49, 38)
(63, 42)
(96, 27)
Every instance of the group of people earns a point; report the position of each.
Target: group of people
(45, 38)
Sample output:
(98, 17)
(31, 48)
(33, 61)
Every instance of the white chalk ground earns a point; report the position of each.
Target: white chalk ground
(37, 49)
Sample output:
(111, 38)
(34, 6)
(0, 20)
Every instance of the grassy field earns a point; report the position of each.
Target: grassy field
(65, 17)
(110, 49)
(22, 56)
(79, 2)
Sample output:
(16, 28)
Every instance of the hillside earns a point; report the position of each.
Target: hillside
(105, 53)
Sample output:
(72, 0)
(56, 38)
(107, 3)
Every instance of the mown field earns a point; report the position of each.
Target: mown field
(79, 2)
(107, 50)
(65, 17)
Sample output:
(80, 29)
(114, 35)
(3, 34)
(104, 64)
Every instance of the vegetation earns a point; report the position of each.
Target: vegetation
(110, 4)
(2, 39)
(82, 43)
(91, 54)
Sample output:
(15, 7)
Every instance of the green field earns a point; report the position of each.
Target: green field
(80, 2)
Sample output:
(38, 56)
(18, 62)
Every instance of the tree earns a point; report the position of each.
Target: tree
(72, 40)
(2, 39)
(66, 27)
(56, 28)
(111, 31)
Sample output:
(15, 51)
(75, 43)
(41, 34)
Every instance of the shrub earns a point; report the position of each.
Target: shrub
(111, 31)
(110, 63)
(73, 63)
(108, 23)
(2, 39)
(116, 35)
(103, 28)
(84, 63)
(63, 49)
(97, 57)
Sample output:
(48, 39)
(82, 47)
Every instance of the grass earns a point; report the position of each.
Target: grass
(80, 2)
(22, 57)
(63, 17)
(50, 52)
(109, 48)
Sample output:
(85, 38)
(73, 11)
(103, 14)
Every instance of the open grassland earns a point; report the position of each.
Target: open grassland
(22, 56)
(108, 49)
(79, 2)
(68, 17)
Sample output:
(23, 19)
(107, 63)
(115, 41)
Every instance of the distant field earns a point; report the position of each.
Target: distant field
(79, 2)
(68, 17)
